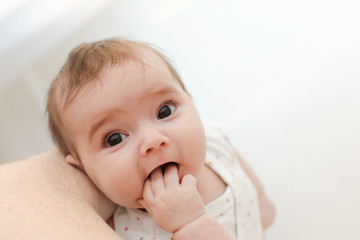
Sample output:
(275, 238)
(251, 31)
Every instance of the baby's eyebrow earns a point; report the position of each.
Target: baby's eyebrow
(94, 127)
(162, 91)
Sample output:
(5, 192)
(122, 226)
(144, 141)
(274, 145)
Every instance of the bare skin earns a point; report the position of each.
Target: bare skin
(40, 199)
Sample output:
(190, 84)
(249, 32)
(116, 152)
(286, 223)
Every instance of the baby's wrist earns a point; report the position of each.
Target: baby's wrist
(182, 233)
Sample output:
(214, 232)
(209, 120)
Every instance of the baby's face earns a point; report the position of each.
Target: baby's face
(136, 119)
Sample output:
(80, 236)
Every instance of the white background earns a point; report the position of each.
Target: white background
(281, 77)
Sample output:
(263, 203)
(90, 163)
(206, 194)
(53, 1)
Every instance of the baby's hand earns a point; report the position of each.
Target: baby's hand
(172, 204)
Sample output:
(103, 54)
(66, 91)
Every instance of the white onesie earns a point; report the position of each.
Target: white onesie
(237, 209)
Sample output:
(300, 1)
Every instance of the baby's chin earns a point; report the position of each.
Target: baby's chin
(130, 202)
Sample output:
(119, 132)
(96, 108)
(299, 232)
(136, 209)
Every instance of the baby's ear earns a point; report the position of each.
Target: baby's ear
(70, 159)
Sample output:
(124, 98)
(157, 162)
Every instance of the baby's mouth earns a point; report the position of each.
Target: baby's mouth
(166, 165)
(163, 167)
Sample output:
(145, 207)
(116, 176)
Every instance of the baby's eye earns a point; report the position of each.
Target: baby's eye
(114, 139)
(166, 110)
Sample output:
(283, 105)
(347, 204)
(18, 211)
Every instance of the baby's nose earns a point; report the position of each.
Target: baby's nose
(153, 141)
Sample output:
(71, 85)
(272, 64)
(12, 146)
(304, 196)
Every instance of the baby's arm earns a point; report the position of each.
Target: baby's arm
(178, 207)
(43, 198)
(267, 208)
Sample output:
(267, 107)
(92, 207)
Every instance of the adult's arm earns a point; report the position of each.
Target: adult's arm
(42, 197)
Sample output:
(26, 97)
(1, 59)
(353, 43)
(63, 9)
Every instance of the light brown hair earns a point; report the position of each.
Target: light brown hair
(84, 64)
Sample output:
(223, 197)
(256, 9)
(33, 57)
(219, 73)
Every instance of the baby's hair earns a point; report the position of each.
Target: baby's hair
(83, 66)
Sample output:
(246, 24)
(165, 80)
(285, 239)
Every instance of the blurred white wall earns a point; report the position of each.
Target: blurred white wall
(281, 77)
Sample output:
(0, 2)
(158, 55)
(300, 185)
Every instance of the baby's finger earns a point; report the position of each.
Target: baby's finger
(171, 176)
(188, 180)
(148, 194)
(143, 203)
(157, 180)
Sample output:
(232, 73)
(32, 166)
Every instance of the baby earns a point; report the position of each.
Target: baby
(119, 111)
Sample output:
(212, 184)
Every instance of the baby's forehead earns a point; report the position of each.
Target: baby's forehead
(143, 60)
(144, 68)
(149, 64)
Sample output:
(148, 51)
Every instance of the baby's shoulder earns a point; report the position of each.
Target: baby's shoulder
(214, 132)
(217, 142)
